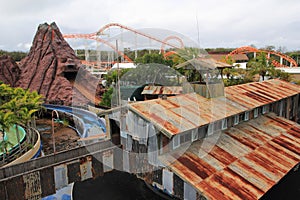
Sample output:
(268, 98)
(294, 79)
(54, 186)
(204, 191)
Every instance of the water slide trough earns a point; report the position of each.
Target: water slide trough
(90, 124)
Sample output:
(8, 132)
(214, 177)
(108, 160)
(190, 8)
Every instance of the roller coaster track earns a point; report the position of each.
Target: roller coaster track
(247, 49)
(95, 36)
(92, 37)
(163, 42)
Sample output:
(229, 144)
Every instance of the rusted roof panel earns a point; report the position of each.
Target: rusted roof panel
(188, 111)
(245, 161)
(157, 90)
(185, 112)
(257, 94)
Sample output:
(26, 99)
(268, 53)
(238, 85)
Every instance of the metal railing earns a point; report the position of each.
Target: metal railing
(27, 144)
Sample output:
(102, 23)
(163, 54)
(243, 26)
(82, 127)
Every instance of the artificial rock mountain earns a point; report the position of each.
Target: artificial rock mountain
(52, 69)
(9, 70)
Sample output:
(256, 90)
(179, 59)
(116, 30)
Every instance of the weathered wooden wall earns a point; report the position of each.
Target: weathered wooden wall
(42, 177)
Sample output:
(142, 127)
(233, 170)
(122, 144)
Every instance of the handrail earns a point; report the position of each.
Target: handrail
(26, 152)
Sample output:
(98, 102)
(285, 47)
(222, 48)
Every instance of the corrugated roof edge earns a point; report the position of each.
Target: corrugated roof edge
(294, 89)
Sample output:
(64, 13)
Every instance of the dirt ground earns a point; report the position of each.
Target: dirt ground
(65, 137)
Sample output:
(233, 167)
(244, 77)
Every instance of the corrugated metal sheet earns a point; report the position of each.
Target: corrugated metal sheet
(157, 90)
(257, 94)
(189, 111)
(185, 112)
(244, 163)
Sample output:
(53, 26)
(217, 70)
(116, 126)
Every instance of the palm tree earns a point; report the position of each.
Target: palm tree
(260, 65)
(22, 104)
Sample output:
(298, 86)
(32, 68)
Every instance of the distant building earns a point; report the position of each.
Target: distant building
(235, 146)
(293, 71)
(123, 66)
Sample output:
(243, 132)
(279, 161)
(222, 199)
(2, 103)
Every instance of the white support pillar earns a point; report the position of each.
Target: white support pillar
(86, 53)
(281, 60)
(254, 55)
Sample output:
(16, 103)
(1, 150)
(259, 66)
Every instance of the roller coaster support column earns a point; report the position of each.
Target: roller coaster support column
(53, 137)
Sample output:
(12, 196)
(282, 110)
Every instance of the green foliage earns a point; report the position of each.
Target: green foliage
(189, 53)
(5, 145)
(260, 65)
(153, 58)
(112, 75)
(229, 60)
(277, 73)
(17, 105)
(16, 55)
(151, 73)
(219, 50)
(106, 98)
(233, 81)
(270, 47)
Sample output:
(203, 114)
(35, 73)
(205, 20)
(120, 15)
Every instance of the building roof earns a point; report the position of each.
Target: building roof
(236, 57)
(256, 94)
(156, 90)
(243, 162)
(185, 112)
(203, 64)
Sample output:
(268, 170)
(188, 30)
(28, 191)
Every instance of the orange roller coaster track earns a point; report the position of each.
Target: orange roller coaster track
(95, 36)
(247, 49)
(171, 37)
(91, 37)
(163, 42)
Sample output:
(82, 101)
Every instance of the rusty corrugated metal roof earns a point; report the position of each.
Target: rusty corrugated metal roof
(157, 90)
(185, 112)
(243, 162)
(256, 94)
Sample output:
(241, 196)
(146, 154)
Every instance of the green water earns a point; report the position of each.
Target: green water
(11, 136)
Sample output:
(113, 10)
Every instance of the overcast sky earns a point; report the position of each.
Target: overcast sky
(222, 23)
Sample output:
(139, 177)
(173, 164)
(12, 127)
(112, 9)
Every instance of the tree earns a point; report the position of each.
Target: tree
(106, 98)
(281, 49)
(112, 75)
(153, 58)
(190, 53)
(227, 71)
(270, 47)
(260, 65)
(277, 73)
(16, 55)
(17, 107)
